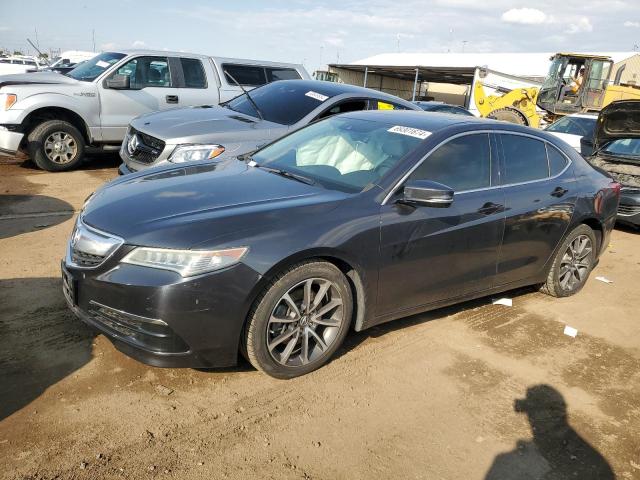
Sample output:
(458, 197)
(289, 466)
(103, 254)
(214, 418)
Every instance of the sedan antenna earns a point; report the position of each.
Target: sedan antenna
(246, 93)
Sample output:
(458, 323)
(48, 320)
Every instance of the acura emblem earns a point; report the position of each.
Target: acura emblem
(132, 144)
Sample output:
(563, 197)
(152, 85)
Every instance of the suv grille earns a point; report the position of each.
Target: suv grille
(628, 210)
(145, 149)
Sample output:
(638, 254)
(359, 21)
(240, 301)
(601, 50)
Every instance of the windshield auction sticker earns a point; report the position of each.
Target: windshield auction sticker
(412, 132)
(316, 95)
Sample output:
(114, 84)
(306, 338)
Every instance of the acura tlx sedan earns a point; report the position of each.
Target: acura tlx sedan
(349, 222)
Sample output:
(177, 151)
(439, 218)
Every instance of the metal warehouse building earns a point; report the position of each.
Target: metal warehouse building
(448, 77)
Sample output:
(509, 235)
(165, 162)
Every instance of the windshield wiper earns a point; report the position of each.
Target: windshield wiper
(285, 173)
(246, 93)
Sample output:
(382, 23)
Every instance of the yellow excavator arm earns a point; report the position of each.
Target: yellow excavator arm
(515, 106)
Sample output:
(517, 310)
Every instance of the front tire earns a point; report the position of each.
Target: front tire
(299, 321)
(572, 264)
(55, 146)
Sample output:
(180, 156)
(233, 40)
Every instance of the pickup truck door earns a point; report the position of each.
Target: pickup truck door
(151, 88)
(196, 81)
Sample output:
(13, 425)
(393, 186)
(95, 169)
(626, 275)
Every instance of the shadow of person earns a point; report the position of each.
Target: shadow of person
(556, 452)
(41, 341)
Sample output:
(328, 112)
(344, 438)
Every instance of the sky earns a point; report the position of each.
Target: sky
(322, 31)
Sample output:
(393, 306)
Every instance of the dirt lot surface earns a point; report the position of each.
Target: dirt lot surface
(431, 396)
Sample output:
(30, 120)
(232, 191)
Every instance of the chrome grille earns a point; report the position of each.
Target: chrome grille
(89, 247)
(141, 147)
(628, 210)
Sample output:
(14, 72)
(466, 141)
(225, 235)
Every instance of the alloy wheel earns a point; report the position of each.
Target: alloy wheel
(575, 263)
(60, 147)
(305, 322)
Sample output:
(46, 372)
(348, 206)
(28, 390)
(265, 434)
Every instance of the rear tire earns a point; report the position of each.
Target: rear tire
(56, 146)
(299, 321)
(572, 264)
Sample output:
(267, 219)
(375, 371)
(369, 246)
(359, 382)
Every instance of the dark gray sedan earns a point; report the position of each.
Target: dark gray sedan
(243, 124)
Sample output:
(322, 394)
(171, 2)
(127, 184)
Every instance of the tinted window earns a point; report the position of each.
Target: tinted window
(525, 159)
(282, 102)
(339, 152)
(346, 106)
(464, 163)
(574, 126)
(557, 161)
(624, 146)
(92, 69)
(274, 74)
(244, 74)
(147, 72)
(193, 73)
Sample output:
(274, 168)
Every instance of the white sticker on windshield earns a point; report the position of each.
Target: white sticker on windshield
(316, 95)
(102, 64)
(412, 132)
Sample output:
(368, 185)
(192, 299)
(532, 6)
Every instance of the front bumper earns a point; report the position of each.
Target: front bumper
(160, 318)
(10, 141)
(629, 206)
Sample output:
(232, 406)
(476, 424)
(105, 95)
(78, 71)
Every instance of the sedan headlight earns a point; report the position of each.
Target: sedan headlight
(188, 153)
(185, 262)
(7, 100)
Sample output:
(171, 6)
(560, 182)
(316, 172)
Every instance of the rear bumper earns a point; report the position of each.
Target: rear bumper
(160, 318)
(629, 207)
(9, 141)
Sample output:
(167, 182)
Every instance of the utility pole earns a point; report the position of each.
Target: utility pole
(93, 36)
(464, 44)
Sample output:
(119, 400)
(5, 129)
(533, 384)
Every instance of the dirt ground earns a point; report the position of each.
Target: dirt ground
(428, 397)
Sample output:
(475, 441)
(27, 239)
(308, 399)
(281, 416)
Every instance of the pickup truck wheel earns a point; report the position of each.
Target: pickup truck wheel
(55, 146)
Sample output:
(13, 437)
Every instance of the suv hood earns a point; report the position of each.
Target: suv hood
(617, 120)
(187, 206)
(34, 78)
(204, 124)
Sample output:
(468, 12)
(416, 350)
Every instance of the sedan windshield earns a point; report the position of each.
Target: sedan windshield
(581, 126)
(280, 102)
(92, 69)
(628, 147)
(342, 153)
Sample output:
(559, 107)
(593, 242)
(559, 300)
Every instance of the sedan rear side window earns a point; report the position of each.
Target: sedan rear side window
(463, 163)
(525, 159)
(193, 72)
(557, 161)
(245, 74)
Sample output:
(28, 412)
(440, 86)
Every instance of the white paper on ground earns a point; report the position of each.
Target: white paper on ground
(507, 302)
(604, 279)
(572, 332)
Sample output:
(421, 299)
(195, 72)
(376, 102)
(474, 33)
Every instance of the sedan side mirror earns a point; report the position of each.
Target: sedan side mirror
(119, 82)
(427, 193)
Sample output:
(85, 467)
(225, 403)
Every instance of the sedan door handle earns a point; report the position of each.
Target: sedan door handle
(559, 192)
(489, 208)
(171, 98)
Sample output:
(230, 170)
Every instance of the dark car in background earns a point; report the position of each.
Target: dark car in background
(244, 123)
(617, 151)
(440, 107)
(350, 222)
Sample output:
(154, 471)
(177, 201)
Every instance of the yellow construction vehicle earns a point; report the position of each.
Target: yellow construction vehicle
(565, 90)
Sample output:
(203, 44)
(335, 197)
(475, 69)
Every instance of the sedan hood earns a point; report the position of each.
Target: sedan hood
(182, 207)
(617, 120)
(204, 124)
(34, 78)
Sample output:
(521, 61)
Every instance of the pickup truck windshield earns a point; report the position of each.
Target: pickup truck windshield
(281, 102)
(92, 69)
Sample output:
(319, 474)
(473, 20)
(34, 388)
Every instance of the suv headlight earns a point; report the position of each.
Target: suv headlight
(7, 100)
(188, 153)
(185, 262)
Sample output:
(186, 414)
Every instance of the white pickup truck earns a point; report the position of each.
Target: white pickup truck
(55, 117)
